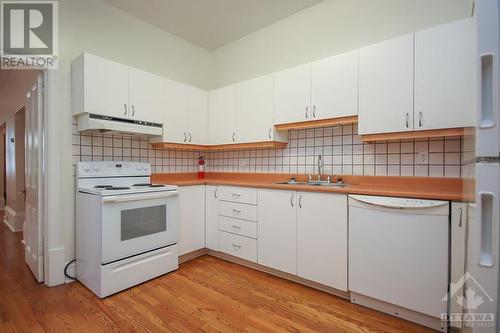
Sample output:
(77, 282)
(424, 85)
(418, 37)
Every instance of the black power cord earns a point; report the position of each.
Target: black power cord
(66, 270)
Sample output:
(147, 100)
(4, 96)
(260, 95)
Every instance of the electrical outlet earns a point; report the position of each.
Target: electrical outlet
(422, 157)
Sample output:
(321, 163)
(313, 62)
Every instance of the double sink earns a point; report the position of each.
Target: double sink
(293, 181)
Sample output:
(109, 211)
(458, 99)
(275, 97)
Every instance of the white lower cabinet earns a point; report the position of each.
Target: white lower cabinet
(305, 234)
(277, 230)
(322, 238)
(211, 218)
(238, 246)
(192, 220)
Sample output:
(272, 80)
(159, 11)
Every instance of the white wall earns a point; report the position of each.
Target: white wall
(98, 28)
(328, 28)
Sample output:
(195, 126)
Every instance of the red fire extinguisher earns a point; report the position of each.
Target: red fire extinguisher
(201, 167)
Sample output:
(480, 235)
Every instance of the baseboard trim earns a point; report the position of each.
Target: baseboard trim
(235, 260)
(13, 220)
(192, 255)
(54, 267)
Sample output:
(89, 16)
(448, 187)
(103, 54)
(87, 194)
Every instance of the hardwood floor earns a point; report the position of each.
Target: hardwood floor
(205, 295)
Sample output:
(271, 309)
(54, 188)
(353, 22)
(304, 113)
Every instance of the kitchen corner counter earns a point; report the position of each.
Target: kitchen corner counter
(453, 189)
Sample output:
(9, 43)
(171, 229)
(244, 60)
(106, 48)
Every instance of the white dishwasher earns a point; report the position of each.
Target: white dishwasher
(398, 256)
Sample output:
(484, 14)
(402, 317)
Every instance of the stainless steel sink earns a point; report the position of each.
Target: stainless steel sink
(314, 183)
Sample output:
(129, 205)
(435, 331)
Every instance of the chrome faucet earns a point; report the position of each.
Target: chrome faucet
(320, 166)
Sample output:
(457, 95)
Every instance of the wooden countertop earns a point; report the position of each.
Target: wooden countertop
(453, 189)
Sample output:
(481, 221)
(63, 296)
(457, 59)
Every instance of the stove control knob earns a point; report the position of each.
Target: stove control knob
(96, 167)
(146, 167)
(138, 167)
(86, 167)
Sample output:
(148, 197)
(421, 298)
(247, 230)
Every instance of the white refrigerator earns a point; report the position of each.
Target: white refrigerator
(481, 292)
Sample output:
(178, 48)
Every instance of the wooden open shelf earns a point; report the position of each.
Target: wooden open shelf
(317, 123)
(233, 146)
(460, 131)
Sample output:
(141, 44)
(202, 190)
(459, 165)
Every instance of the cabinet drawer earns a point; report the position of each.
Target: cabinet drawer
(237, 210)
(238, 246)
(236, 226)
(238, 194)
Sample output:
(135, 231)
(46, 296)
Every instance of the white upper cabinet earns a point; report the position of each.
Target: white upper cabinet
(223, 103)
(334, 87)
(255, 111)
(277, 231)
(147, 100)
(322, 238)
(99, 86)
(174, 117)
(197, 116)
(445, 76)
(292, 95)
(386, 86)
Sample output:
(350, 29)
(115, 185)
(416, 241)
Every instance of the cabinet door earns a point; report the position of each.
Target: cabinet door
(175, 119)
(322, 238)
(458, 251)
(255, 109)
(192, 219)
(222, 115)
(211, 218)
(197, 116)
(386, 86)
(277, 233)
(334, 87)
(445, 76)
(105, 87)
(147, 100)
(292, 95)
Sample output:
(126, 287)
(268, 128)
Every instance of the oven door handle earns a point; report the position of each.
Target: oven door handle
(138, 197)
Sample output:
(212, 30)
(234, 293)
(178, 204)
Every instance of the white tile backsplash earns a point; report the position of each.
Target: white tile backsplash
(342, 150)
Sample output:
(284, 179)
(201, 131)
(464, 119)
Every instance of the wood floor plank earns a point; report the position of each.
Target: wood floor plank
(206, 294)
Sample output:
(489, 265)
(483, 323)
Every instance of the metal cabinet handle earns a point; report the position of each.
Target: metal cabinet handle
(185, 137)
(307, 112)
(270, 133)
(125, 106)
(236, 226)
(291, 200)
(234, 136)
(407, 120)
(215, 193)
(420, 120)
(236, 245)
(300, 201)
(133, 110)
(314, 111)
(236, 211)
(460, 213)
(190, 137)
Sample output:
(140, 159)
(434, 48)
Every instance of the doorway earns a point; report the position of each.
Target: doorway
(21, 107)
(3, 178)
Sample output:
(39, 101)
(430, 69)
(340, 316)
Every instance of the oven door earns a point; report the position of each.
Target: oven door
(137, 223)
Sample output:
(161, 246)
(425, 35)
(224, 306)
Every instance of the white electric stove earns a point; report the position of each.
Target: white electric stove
(126, 228)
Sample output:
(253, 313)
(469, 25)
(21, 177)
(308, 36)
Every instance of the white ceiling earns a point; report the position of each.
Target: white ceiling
(211, 23)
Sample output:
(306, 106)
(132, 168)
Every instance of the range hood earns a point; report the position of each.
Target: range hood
(112, 125)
